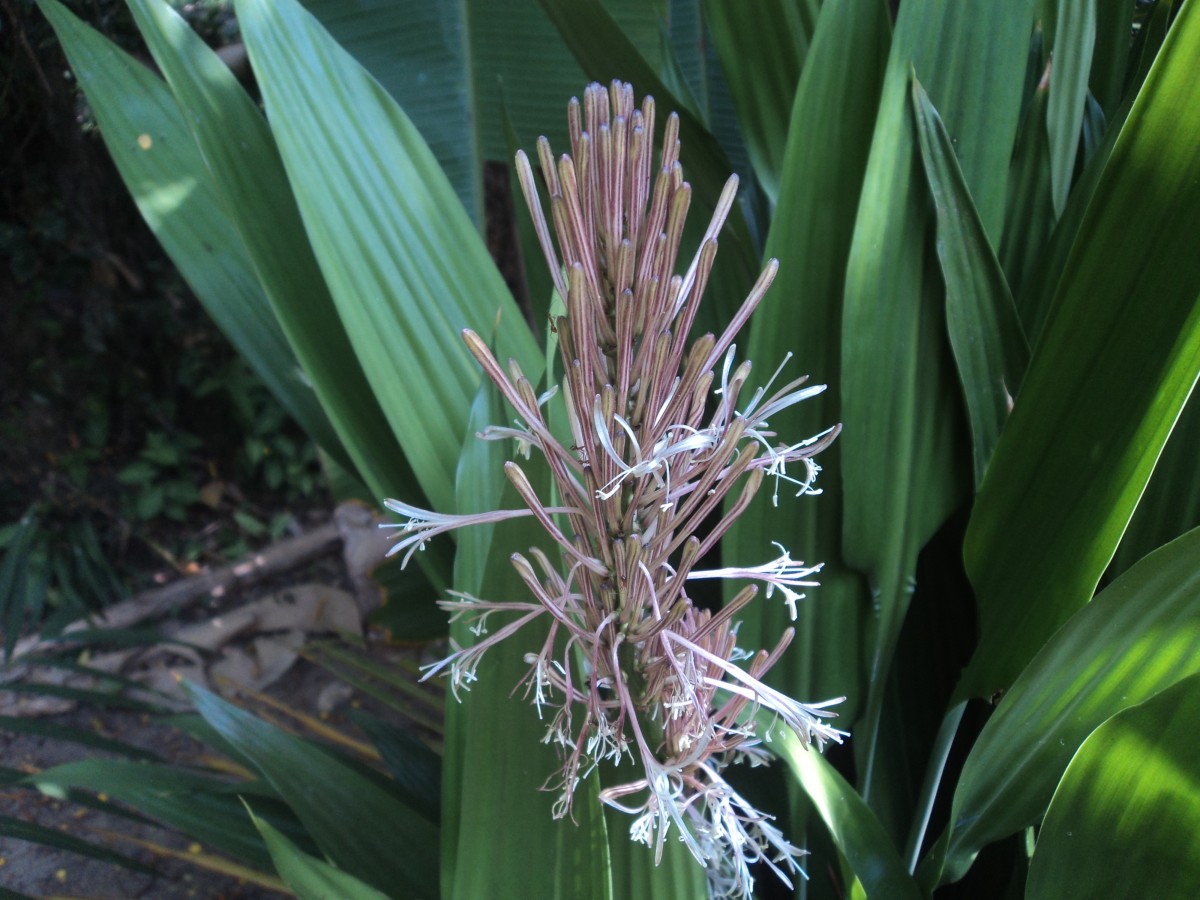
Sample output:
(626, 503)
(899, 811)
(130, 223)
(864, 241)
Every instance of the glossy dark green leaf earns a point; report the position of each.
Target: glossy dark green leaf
(1110, 59)
(393, 854)
(1118, 356)
(406, 268)
(491, 727)
(81, 736)
(855, 829)
(416, 769)
(985, 333)
(310, 878)
(810, 234)
(762, 84)
(502, 840)
(1125, 819)
(149, 140)
(1139, 636)
(1029, 215)
(902, 471)
(1074, 43)
(1170, 505)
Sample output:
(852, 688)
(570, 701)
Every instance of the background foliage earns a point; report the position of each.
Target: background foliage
(984, 218)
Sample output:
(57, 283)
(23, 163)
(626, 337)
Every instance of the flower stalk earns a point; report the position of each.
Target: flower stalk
(662, 437)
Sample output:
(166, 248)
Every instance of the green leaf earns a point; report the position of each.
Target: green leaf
(416, 768)
(989, 346)
(81, 736)
(392, 854)
(1106, 383)
(900, 403)
(418, 52)
(501, 838)
(852, 824)
(1171, 504)
(406, 268)
(837, 96)
(310, 878)
(1139, 636)
(147, 135)
(762, 86)
(200, 806)
(1074, 43)
(1125, 820)
(1110, 59)
(250, 178)
(1029, 215)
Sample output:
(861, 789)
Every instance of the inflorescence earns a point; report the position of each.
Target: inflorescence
(629, 667)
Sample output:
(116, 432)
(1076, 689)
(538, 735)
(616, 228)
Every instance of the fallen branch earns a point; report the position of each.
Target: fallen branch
(178, 594)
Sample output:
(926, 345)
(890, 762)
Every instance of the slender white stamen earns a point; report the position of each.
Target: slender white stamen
(783, 573)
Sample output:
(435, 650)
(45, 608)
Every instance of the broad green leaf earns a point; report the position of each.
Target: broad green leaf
(1148, 41)
(855, 829)
(1074, 43)
(310, 878)
(249, 177)
(14, 578)
(1110, 59)
(900, 404)
(416, 769)
(493, 728)
(762, 84)
(1139, 636)
(678, 876)
(406, 268)
(1125, 820)
(810, 234)
(200, 806)
(1171, 504)
(1029, 215)
(392, 854)
(1117, 359)
(606, 53)
(985, 334)
(148, 137)
(1048, 259)
(418, 52)
(501, 839)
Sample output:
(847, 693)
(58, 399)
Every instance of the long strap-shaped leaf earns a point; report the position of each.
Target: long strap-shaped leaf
(604, 52)
(1074, 43)
(1139, 636)
(149, 140)
(248, 175)
(393, 846)
(900, 403)
(1125, 820)
(854, 828)
(837, 98)
(1113, 367)
(406, 268)
(763, 84)
(981, 318)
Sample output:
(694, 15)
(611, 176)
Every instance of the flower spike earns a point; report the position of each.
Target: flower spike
(666, 427)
